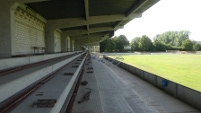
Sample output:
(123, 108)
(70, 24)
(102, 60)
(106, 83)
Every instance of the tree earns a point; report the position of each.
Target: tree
(173, 38)
(114, 44)
(187, 45)
(135, 44)
(120, 42)
(145, 43)
(110, 45)
(197, 47)
(159, 46)
(181, 36)
(102, 46)
(107, 45)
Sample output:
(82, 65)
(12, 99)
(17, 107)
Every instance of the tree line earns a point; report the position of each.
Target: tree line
(170, 40)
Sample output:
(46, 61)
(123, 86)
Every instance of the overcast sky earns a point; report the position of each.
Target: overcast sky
(166, 15)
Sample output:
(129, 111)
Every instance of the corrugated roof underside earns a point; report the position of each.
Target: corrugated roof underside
(146, 6)
(109, 7)
(109, 24)
(59, 9)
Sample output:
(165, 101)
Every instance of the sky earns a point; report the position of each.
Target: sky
(166, 15)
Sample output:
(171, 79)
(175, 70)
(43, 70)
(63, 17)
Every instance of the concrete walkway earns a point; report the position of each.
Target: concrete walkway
(93, 105)
(122, 92)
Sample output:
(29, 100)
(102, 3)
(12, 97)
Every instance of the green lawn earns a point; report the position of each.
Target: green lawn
(182, 69)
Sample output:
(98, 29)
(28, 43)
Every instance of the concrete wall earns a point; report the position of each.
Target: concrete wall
(29, 32)
(65, 43)
(24, 31)
(13, 62)
(57, 41)
(20, 29)
(5, 28)
(179, 91)
(72, 45)
(68, 43)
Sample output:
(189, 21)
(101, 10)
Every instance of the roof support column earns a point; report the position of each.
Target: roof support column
(53, 40)
(50, 39)
(6, 27)
(86, 2)
(65, 43)
(77, 47)
(72, 45)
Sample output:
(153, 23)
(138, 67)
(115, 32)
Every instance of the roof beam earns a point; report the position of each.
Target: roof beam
(86, 5)
(90, 43)
(89, 40)
(82, 31)
(96, 35)
(31, 1)
(131, 13)
(88, 29)
(74, 22)
(129, 18)
(136, 7)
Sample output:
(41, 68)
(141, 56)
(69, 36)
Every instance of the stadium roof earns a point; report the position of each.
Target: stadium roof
(89, 21)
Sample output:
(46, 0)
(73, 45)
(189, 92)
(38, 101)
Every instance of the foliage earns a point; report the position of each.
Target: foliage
(197, 47)
(165, 41)
(114, 44)
(135, 44)
(107, 45)
(170, 40)
(187, 45)
(145, 43)
(120, 42)
(173, 38)
(160, 46)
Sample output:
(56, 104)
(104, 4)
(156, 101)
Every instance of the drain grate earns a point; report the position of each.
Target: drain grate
(90, 68)
(75, 66)
(68, 73)
(39, 94)
(84, 83)
(45, 103)
(90, 71)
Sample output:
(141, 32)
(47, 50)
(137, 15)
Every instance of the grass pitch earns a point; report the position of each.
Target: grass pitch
(182, 69)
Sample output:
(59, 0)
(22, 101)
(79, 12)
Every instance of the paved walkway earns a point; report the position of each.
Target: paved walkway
(121, 92)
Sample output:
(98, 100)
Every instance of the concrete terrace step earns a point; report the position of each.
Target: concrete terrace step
(58, 88)
(7, 63)
(15, 82)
